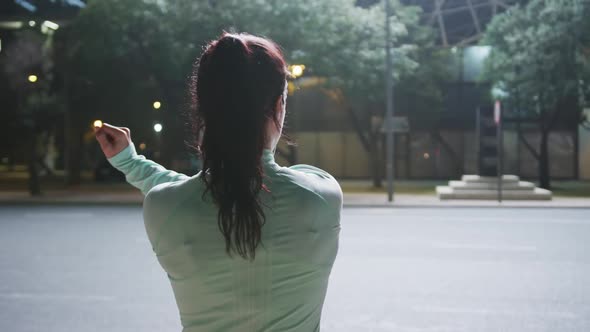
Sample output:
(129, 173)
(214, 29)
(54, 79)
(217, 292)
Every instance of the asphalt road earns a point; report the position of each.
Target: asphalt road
(88, 269)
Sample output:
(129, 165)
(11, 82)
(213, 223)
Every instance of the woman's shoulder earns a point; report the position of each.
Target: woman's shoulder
(169, 190)
(165, 197)
(315, 180)
(166, 200)
(312, 170)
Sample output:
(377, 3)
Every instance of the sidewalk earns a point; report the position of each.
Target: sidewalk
(351, 200)
(357, 193)
(360, 200)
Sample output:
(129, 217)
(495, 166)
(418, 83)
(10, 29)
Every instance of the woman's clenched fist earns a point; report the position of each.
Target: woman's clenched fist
(112, 139)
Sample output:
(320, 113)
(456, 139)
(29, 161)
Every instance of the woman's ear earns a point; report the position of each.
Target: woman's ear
(280, 106)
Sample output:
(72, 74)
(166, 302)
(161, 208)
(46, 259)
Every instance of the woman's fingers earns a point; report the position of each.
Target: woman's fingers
(126, 130)
(112, 139)
(106, 144)
(112, 130)
(113, 134)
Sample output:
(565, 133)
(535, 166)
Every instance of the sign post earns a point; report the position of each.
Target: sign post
(500, 147)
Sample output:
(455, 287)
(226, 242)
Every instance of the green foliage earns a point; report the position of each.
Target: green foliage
(419, 94)
(31, 54)
(541, 53)
(154, 43)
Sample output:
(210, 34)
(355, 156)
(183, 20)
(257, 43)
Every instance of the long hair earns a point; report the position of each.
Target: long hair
(235, 88)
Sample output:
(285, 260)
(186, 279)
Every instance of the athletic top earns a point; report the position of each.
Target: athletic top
(283, 289)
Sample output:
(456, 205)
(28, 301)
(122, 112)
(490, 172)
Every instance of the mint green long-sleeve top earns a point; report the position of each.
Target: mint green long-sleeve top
(283, 289)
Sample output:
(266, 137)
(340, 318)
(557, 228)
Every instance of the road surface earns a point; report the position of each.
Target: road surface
(66, 268)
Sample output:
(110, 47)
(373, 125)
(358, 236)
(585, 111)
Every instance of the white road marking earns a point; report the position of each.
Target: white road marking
(57, 215)
(516, 219)
(483, 311)
(352, 324)
(48, 296)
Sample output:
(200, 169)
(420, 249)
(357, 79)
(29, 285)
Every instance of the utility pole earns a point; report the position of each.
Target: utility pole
(389, 143)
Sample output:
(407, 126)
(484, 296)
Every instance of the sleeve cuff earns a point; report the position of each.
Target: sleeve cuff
(123, 156)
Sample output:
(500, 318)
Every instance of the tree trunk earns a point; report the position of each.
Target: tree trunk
(370, 144)
(576, 156)
(375, 163)
(73, 149)
(34, 185)
(408, 147)
(72, 133)
(544, 176)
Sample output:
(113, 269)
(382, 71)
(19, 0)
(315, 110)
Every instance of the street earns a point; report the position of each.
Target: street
(91, 268)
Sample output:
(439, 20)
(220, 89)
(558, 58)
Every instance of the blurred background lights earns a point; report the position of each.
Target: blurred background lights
(426, 155)
(51, 25)
(157, 127)
(157, 105)
(142, 146)
(297, 70)
(32, 78)
(32, 23)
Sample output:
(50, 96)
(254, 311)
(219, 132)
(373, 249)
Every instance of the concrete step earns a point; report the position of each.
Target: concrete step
(489, 179)
(445, 192)
(520, 185)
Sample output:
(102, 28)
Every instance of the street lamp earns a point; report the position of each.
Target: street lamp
(158, 127)
(157, 105)
(32, 78)
(389, 138)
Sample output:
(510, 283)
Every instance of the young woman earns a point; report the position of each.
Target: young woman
(248, 245)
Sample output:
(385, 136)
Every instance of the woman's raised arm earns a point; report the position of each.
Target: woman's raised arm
(140, 172)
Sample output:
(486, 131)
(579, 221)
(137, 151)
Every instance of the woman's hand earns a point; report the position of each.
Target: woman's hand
(112, 139)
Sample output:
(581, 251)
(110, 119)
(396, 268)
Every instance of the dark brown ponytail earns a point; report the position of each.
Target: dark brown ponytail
(236, 85)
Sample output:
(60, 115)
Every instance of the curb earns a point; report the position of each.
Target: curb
(5, 203)
(461, 206)
(41, 202)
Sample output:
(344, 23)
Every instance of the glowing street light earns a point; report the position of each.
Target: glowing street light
(50, 25)
(32, 78)
(297, 70)
(97, 123)
(157, 127)
(157, 105)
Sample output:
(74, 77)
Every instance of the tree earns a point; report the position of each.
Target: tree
(149, 47)
(540, 56)
(345, 44)
(28, 66)
(120, 57)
